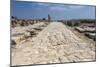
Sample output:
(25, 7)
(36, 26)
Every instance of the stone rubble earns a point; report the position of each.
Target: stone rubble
(54, 44)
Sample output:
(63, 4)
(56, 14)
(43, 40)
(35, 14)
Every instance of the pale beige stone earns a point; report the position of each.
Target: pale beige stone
(54, 44)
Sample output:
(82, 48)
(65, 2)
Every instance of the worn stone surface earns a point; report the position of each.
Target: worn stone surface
(54, 44)
(87, 29)
(22, 33)
(90, 32)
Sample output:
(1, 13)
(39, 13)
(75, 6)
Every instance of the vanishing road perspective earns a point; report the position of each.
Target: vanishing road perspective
(53, 42)
(51, 33)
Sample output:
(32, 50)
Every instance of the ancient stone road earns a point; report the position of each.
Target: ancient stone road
(54, 44)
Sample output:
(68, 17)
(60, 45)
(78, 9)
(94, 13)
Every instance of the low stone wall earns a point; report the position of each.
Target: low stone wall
(87, 31)
(19, 34)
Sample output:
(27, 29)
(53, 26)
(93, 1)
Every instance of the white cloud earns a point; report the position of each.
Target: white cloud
(43, 4)
(75, 7)
(57, 8)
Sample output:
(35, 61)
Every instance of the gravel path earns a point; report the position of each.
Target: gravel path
(54, 44)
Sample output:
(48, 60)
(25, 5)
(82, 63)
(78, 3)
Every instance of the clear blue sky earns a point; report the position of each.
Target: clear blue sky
(29, 10)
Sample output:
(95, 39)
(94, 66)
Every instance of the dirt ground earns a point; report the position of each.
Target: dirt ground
(54, 43)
